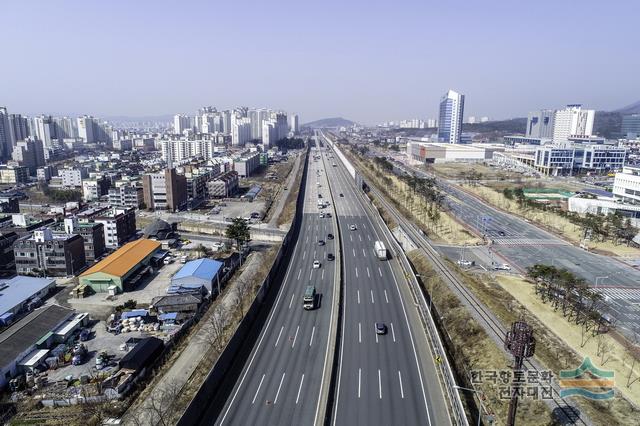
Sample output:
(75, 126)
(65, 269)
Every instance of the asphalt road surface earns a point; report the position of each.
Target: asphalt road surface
(522, 244)
(385, 379)
(281, 381)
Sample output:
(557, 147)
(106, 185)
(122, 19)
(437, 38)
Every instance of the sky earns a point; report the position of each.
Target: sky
(369, 61)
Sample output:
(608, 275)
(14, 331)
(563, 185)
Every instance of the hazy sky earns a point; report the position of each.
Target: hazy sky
(365, 60)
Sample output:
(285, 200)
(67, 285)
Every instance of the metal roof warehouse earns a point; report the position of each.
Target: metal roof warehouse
(196, 274)
(121, 269)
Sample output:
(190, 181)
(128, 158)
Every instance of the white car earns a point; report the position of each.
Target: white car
(321, 215)
(316, 264)
(463, 262)
(502, 267)
(353, 227)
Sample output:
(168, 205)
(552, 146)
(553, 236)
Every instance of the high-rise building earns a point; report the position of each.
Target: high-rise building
(45, 129)
(180, 123)
(295, 124)
(269, 133)
(240, 130)
(6, 135)
(29, 153)
(631, 126)
(572, 121)
(87, 129)
(450, 120)
(19, 127)
(540, 124)
(257, 116)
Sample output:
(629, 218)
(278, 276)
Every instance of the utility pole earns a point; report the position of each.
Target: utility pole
(520, 342)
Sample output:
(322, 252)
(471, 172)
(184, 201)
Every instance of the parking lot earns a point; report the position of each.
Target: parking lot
(101, 340)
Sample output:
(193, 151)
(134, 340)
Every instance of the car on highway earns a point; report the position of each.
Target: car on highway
(321, 215)
(319, 195)
(381, 328)
(502, 233)
(329, 236)
(330, 256)
(353, 227)
(320, 242)
(316, 264)
(327, 214)
(341, 194)
(502, 267)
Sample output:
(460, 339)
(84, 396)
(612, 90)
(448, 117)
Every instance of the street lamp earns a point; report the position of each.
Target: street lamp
(481, 408)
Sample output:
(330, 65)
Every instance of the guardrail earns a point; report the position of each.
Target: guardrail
(211, 396)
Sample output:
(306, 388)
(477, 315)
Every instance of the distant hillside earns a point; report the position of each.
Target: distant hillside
(630, 109)
(514, 125)
(330, 122)
(607, 124)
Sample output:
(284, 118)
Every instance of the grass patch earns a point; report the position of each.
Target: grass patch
(289, 209)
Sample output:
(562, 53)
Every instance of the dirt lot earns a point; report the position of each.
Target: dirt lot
(455, 170)
(99, 307)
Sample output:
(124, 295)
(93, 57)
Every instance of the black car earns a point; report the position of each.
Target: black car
(381, 328)
(320, 242)
(501, 233)
(341, 194)
(330, 237)
(330, 256)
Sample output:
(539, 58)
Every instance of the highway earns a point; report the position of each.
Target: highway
(382, 379)
(524, 244)
(282, 380)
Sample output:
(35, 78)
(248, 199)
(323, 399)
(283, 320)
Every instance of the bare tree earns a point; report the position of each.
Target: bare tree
(632, 350)
(604, 348)
(240, 293)
(159, 408)
(214, 327)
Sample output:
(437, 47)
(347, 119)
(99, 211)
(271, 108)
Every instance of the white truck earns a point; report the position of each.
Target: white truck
(380, 249)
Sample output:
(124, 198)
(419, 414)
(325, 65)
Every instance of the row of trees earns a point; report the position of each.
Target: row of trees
(424, 190)
(571, 295)
(613, 227)
(471, 177)
(61, 195)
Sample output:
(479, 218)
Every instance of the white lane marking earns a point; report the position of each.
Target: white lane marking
(279, 334)
(358, 296)
(360, 236)
(295, 337)
(369, 237)
(300, 388)
(299, 272)
(314, 254)
(400, 380)
(313, 330)
(310, 274)
(372, 301)
(279, 386)
(376, 332)
(379, 385)
(356, 272)
(306, 239)
(364, 226)
(354, 252)
(257, 390)
(359, 380)
(351, 238)
(379, 271)
(359, 333)
(385, 296)
(322, 277)
(291, 302)
(393, 333)
(368, 274)
(304, 254)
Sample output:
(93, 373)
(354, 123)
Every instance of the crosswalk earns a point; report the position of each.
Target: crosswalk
(629, 294)
(528, 242)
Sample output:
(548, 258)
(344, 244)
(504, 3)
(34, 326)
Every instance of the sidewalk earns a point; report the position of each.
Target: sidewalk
(153, 410)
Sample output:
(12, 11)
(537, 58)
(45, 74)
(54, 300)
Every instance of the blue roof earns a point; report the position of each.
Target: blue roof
(168, 316)
(598, 192)
(19, 289)
(135, 313)
(205, 269)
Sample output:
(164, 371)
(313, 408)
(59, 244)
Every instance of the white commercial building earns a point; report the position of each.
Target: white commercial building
(572, 121)
(450, 120)
(72, 177)
(428, 152)
(626, 185)
(567, 158)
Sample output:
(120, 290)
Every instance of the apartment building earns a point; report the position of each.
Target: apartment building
(49, 254)
(165, 191)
